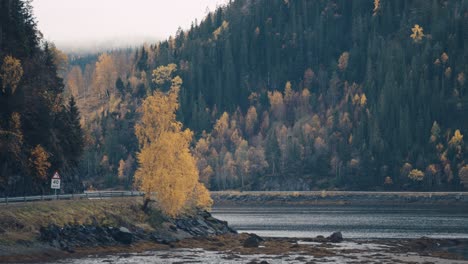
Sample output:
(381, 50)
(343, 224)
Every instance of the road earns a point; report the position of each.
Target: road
(86, 195)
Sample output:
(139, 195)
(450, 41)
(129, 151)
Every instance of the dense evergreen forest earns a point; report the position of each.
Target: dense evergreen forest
(40, 128)
(297, 95)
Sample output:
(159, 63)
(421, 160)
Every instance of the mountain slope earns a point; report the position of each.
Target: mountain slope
(375, 93)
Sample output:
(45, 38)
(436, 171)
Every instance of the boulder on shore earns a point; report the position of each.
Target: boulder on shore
(253, 241)
(163, 238)
(122, 235)
(336, 237)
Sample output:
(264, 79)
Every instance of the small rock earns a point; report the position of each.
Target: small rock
(50, 233)
(231, 256)
(69, 249)
(295, 245)
(252, 241)
(122, 235)
(55, 243)
(336, 237)
(163, 239)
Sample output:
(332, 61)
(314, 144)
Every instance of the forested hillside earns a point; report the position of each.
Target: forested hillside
(297, 95)
(39, 128)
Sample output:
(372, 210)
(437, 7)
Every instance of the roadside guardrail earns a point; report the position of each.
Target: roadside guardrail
(85, 195)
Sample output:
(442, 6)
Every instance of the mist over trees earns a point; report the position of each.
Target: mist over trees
(297, 95)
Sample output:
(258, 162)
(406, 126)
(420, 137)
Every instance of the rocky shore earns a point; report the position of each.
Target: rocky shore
(95, 227)
(333, 249)
(117, 231)
(70, 237)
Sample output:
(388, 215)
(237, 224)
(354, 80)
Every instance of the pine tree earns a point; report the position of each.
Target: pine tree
(76, 132)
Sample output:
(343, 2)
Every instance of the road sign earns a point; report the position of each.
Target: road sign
(55, 182)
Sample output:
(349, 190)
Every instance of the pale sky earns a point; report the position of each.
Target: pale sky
(77, 24)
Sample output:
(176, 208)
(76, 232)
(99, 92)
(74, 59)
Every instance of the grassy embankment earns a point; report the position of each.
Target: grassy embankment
(21, 223)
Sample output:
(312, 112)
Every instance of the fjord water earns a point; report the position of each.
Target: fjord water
(353, 221)
(309, 221)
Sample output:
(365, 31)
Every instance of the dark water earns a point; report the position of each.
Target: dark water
(352, 221)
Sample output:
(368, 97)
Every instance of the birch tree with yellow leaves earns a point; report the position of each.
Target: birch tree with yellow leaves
(167, 169)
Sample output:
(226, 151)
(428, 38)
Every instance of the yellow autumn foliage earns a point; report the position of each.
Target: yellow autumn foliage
(288, 93)
(363, 100)
(277, 104)
(251, 120)
(457, 138)
(435, 132)
(201, 197)
(388, 180)
(163, 74)
(376, 7)
(418, 33)
(121, 170)
(224, 26)
(405, 169)
(40, 161)
(105, 75)
(356, 99)
(416, 175)
(159, 116)
(343, 61)
(167, 169)
(11, 73)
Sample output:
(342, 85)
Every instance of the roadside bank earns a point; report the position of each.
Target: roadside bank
(43, 231)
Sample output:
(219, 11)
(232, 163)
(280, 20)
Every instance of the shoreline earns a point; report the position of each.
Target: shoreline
(104, 234)
(306, 198)
(231, 247)
(46, 230)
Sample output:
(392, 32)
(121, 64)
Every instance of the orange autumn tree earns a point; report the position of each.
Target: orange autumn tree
(40, 161)
(167, 169)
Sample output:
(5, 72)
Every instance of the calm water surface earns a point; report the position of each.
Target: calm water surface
(352, 221)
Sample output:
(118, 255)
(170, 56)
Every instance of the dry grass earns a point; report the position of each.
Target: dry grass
(23, 222)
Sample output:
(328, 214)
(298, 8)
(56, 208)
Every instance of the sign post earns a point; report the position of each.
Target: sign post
(55, 183)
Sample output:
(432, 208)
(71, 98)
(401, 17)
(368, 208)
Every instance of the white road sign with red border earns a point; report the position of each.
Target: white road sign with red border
(55, 182)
